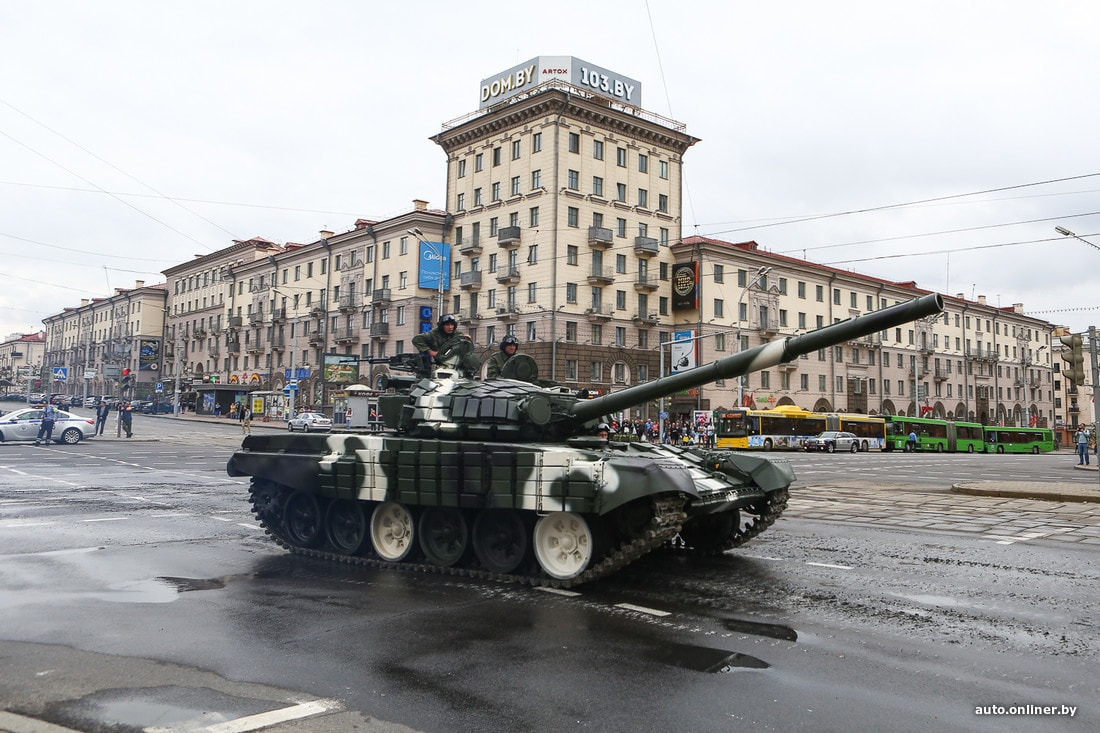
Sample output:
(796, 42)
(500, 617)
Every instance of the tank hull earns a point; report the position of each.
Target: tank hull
(509, 511)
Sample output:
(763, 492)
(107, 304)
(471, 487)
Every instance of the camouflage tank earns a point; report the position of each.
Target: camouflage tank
(503, 479)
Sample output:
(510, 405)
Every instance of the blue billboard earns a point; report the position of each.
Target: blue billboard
(434, 258)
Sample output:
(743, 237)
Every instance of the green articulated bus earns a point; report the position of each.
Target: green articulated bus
(934, 435)
(1018, 440)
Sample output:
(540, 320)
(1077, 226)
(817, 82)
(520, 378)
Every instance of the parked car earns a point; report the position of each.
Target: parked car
(158, 408)
(308, 422)
(92, 400)
(832, 441)
(24, 424)
(76, 401)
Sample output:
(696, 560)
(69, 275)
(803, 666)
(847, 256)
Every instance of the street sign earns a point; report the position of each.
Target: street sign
(292, 386)
(60, 374)
(160, 386)
(89, 373)
(663, 415)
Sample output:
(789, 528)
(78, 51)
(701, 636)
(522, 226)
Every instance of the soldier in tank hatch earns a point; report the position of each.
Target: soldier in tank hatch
(509, 345)
(432, 341)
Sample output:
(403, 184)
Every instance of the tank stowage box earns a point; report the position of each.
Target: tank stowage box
(503, 478)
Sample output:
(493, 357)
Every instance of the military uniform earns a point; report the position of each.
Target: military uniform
(433, 340)
(496, 365)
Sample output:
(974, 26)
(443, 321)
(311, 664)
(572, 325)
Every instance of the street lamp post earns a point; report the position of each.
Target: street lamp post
(760, 273)
(415, 231)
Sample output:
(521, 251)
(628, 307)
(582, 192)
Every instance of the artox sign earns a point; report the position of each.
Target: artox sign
(572, 70)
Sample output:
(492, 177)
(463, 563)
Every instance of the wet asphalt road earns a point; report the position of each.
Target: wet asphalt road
(137, 592)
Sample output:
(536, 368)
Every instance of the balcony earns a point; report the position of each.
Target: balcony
(601, 276)
(235, 321)
(472, 246)
(790, 367)
(942, 375)
(256, 347)
(255, 319)
(599, 313)
(470, 280)
(213, 351)
(316, 339)
(508, 313)
(379, 329)
(233, 346)
(380, 296)
(645, 246)
(468, 316)
(645, 320)
(198, 332)
(982, 354)
(278, 315)
(646, 283)
(278, 343)
(508, 237)
(346, 302)
(316, 312)
(346, 335)
(768, 326)
(873, 340)
(508, 275)
(1074, 408)
(600, 237)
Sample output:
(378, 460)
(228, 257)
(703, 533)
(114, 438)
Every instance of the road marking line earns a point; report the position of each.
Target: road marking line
(261, 529)
(105, 519)
(264, 720)
(642, 609)
(28, 524)
(830, 565)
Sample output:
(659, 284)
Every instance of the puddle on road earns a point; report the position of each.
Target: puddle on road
(706, 659)
(165, 708)
(185, 584)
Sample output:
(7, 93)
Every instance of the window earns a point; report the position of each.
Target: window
(536, 179)
(620, 264)
(532, 292)
(385, 252)
(571, 294)
(620, 227)
(782, 286)
(571, 369)
(533, 254)
(643, 198)
(719, 308)
(514, 190)
(402, 249)
(536, 142)
(496, 157)
(662, 168)
(570, 254)
(477, 197)
(620, 192)
(597, 371)
(479, 163)
(801, 290)
(534, 216)
(513, 219)
(496, 191)
(573, 216)
(597, 186)
(821, 383)
(597, 149)
(620, 157)
(819, 293)
(515, 149)
(494, 226)
(643, 163)
(460, 202)
(662, 202)
(836, 296)
(620, 300)
(574, 143)
(765, 380)
(719, 342)
(719, 273)
(462, 168)
(573, 180)
(571, 331)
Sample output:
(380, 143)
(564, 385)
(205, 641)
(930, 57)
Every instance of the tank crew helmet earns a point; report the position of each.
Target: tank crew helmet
(509, 340)
(448, 318)
(603, 430)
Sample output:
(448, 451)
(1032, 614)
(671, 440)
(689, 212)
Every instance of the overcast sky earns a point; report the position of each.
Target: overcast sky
(134, 135)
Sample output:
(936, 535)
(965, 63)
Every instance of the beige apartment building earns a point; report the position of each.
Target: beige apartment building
(21, 357)
(102, 337)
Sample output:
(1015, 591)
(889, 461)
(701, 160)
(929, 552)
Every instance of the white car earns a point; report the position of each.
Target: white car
(308, 422)
(832, 441)
(24, 425)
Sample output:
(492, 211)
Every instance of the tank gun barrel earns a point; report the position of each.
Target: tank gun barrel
(761, 357)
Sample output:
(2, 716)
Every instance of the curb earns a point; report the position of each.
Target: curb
(1026, 490)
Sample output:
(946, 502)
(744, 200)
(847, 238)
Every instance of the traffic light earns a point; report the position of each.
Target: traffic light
(1074, 358)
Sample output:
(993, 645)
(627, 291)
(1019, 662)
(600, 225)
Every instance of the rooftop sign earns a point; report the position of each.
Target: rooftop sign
(542, 69)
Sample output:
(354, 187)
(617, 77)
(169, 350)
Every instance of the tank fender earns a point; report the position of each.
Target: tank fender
(287, 459)
(770, 474)
(627, 478)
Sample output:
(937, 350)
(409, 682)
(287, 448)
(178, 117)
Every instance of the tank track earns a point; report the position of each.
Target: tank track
(767, 512)
(667, 518)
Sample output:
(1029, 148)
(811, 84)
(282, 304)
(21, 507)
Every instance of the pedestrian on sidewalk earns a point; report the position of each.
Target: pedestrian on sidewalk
(1081, 438)
(245, 413)
(102, 412)
(127, 417)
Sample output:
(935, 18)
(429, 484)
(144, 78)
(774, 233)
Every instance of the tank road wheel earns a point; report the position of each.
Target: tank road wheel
(500, 540)
(710, 533)
(303, 519)
(444, 536)
(563, 545)
(345, 526)
(391, 531)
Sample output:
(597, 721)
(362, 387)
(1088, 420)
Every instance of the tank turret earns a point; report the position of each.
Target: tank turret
(503, 479)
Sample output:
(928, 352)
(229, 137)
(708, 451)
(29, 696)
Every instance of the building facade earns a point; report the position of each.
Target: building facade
(103, 337)
(21, 359)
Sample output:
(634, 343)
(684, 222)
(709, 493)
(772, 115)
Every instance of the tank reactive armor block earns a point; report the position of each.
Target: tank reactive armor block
(501, 479)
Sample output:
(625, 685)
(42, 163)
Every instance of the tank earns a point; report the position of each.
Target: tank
(504, 479)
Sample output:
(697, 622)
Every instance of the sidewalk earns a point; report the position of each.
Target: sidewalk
(1041, 490)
